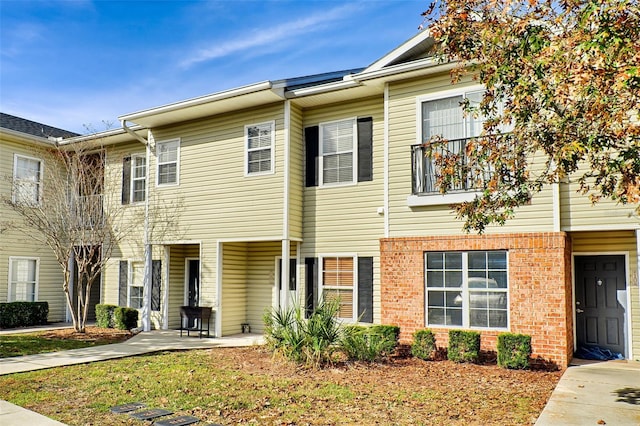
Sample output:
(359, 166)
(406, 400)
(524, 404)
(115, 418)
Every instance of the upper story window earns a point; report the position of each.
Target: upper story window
(338, 159)
(138, 178)
(467, 289)
(168, 154)
(27, 180)
(23, 279)
(259, 146)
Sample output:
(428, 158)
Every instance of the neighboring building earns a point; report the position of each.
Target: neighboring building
(326, 174)
(28, 270)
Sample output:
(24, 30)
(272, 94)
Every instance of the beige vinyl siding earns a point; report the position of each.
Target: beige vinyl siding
(234, 287)
(261, 282)
(437, 220)
(616, 242)
(296, 176)
(16, 243)
(217, 200)
(344, 219)
(177, 283)
(578, 213)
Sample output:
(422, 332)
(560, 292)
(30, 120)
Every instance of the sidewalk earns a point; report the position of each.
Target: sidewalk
(142, 343)
(592, 393)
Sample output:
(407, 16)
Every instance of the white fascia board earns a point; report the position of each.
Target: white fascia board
(398, 51)
(430, 64)
(324, 88)
(29, 137)
(238, 91)
(115, 135)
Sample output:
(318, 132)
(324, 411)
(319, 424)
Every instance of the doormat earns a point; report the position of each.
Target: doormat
(178, 421)
(150, 414)
(125, 408)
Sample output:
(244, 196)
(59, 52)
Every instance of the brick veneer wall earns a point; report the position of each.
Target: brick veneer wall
(540, 288)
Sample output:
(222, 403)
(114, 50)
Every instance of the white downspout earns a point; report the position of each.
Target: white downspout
(148, 255)
(286, 243)
(386, 161)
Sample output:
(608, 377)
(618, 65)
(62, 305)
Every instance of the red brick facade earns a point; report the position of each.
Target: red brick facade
(540, 289)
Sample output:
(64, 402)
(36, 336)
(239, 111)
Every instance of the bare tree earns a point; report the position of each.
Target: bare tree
(70, 212)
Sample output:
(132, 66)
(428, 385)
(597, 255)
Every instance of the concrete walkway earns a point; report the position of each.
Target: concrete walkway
(593, 393)
(142, 343)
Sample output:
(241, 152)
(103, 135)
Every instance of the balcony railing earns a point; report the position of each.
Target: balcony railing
(424, 171)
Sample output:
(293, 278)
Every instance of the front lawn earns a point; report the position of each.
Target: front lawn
(237, 385)
(57, 340)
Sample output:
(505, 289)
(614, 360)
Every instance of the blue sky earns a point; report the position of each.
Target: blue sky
(79, 64)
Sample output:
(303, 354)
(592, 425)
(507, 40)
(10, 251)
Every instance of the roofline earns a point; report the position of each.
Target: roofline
(226, 94)
(30, 137)
(398, 51)
(100, 135)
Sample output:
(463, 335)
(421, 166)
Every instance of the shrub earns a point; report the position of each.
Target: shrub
(424, 344)
(125, 318)
(514, 350)
(372, 343)
(104, 315)
(464, 346)
(23, 314)
(311, 342)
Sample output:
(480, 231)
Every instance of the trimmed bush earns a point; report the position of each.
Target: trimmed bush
(373, 343)
(464, 346)
(424, 344)
(125, 318)
(514, 350)
(104, 315)
(23, 314)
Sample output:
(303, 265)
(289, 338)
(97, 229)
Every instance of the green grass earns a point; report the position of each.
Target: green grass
(29, 344)
(231, 386)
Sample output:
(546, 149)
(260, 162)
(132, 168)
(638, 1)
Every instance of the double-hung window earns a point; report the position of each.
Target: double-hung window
(138, 178)
(136, 282)
(168, 154)
(444, 117)
(23, 279)
(338, 148)
(467, 289)
(338, 281)
(259, 145)
(27, 180)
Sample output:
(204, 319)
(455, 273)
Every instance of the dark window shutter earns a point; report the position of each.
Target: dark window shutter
(311, 280)
(156, 284)
(123, 281)
(312, 145)
(126, 179)
(365, 289)
(365, 149)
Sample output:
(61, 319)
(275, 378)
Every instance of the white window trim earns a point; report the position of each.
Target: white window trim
(132, 179)
(9, 283)
(158, 164)
(272, 147)
(15, 173)
(465, 295)
(354, 152)
(321, 287)
(130, 277)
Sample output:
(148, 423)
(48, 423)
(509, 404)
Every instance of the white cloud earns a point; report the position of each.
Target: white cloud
(268, 36)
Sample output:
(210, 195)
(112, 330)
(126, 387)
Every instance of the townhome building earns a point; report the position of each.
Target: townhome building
(284, 193)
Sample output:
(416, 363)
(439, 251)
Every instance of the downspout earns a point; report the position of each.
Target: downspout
(148, 254)
(286, 243)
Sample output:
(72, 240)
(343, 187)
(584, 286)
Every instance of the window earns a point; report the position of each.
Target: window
(23, 279)
(27, 180)
(260, 140)
(337, 147)
(138, 178)
(168, 154)
(136, 281)
(467, 289)
(338, 280)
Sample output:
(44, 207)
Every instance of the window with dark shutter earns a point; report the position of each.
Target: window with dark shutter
(365, 149)
(126, 180)
(156, 284)
(311, 278)
(311, 140)
(365, 289)
(123, 282)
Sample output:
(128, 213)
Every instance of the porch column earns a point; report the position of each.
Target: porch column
(284, 273)
(146, 291)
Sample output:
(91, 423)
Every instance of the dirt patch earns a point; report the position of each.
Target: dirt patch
(91, 334)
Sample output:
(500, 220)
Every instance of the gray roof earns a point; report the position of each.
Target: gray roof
(34, 128)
